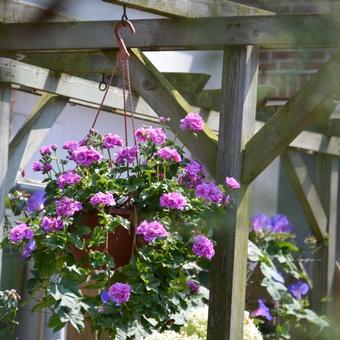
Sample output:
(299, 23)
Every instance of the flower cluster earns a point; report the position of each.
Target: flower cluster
(103, 199)
(203, 247)
(142, 209)
(173, 200)
(151, 230)
(155, 135)
(276, 224)
(67, 207)
(169, 154)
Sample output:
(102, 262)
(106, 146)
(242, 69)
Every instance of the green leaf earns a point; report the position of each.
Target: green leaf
(254, 252)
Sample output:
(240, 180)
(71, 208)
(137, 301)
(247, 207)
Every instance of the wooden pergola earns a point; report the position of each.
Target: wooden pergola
(240, 142)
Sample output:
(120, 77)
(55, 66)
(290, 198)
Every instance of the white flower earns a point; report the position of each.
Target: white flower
(196, 328)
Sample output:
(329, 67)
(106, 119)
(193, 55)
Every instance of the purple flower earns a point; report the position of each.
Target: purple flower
(260, 223)
(263, 311)
(155, 135)
(47, 150)
(37, 166)
(151, 230)
(20, 232)
(298, 289)
(28, 249)
(36, 202)
(86, 156)
(169, 154)
(46, 168)
(203, 247)
(193, 122)
(173, 200)
(193, 286)
(119, 293)
(49, 224)
(70, 145)
(193, 175)
(232, 183)
(104, 296)
(163, 120)
(110, 141)
(103, 199)
(68, 178)
(67, 207)
(209, 192)
(280, 224)
(127, 154)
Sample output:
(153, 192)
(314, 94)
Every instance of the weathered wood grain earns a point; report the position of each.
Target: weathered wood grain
(176, 34)
(192, 8)
(287, 123)
(306, 192)
(5, 96)
(228, 273)
(165, 100)
(32, 134)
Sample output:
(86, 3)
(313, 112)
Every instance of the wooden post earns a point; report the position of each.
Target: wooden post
(327, 182)
(5, 94)
(237, 120)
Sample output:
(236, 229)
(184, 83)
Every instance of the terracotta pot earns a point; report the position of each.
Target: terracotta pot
(120, 242)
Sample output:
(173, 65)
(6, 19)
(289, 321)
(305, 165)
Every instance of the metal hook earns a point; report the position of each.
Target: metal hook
(123, 53)
(103, 84)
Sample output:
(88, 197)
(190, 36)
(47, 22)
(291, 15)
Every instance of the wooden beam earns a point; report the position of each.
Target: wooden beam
(15, 12)
(165, 100)
(306, 192)
(192, 8)
(64, 85)
(30, 136)
(289, 121)
(210, 99)
(229, 267)
(5, 109)
(286, 31)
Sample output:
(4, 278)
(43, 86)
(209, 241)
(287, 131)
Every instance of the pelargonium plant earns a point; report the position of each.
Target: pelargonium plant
(149, 194)
(278, 287)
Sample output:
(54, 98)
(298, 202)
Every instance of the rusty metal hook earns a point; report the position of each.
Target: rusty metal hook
(123, 53)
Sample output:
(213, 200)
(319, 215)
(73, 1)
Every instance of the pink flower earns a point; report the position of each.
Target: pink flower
(70, 145)
(203, 247)
(37, 166)
(20, 232)
(49, 224)
(67, 207)
(232, 183)
(192, 122)
(47, 150)
(151, 230)
(111, 141)
(86, 156)
(68, 178)
(119, 293)
(209, 192)
(173, 200)
(128, 154)
(169, 154)
(156, 135)
(103, 199)
(163, 120)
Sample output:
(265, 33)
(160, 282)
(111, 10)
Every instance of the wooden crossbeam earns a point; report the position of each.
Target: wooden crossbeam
(15, 11)
(286, 31)
(64, 85)
(289, 121)
(165, 100)
(192, 8)
(91, 65)
(32, 134)
(229, 267)
(305, 190)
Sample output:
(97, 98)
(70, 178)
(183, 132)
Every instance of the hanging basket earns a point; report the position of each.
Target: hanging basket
(120, 243)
